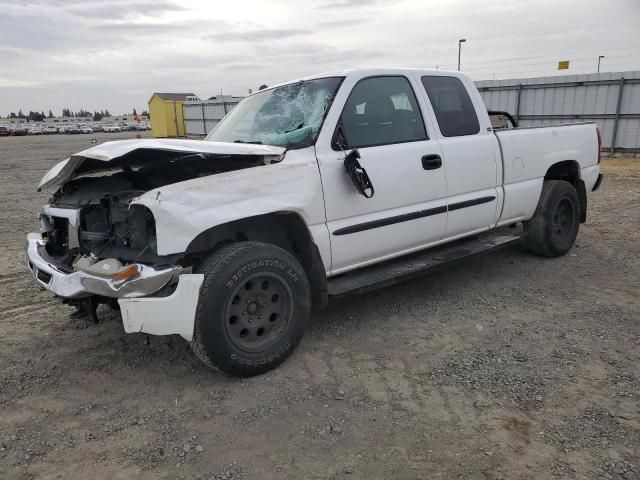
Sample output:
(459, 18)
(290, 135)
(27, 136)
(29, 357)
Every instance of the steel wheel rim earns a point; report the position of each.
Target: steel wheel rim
(563, 219)
(258, 311)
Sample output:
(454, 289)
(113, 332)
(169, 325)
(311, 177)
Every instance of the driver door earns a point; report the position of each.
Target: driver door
(382, 119)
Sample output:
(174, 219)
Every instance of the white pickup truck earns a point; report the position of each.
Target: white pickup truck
(326, 185)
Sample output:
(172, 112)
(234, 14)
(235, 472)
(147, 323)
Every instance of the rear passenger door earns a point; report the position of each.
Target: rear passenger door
(381, 117)
(470, 153)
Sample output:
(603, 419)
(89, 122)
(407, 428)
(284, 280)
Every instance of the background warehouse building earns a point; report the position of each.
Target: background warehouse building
(200, 116)
(611, 99)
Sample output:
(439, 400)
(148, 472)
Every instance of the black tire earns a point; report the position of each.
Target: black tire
(253, 308)
(554, 226)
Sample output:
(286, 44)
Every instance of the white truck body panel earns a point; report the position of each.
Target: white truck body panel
(527, 154)
(477, 153)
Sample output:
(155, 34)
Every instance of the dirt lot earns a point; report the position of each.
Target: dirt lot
(508, 366)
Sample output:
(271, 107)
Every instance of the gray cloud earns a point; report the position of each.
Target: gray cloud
(37, 32)
(351, 3)
(244, 66)
(256, 35)
(144, 27)
(342, 22)
(114, 53)
(120, 9)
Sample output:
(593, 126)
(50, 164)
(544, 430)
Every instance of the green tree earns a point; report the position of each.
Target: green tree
(36, 116)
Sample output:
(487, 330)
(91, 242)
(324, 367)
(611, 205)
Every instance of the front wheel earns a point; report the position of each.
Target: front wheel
(253, 308)
(554, 226)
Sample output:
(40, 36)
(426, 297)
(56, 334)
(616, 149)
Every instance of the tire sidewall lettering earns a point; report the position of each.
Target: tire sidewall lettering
(257, 264)
(263, 360)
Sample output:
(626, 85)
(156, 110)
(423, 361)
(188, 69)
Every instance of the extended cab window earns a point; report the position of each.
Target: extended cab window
(381, 111)
(453, 107)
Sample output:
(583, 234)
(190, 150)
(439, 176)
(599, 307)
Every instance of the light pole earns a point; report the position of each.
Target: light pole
(460, 42)
(599, 58)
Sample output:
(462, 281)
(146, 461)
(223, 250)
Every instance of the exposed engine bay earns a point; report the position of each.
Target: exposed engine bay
(104, 225)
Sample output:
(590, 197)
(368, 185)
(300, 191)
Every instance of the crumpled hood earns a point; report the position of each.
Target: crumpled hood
(110, 151)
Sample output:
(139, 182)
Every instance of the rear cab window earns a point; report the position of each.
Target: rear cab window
(452, 106)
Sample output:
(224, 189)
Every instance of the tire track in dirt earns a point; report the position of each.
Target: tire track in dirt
(17, 312)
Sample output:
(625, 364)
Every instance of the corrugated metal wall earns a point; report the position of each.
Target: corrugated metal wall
(573, 98)
(200, 116)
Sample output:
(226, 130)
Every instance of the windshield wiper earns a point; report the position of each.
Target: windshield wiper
(242, 141)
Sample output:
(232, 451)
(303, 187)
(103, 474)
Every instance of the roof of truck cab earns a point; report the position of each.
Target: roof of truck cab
(378, 71)
(366, 72)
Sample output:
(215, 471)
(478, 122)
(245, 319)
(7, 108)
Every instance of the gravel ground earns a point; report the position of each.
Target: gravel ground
(508, 366)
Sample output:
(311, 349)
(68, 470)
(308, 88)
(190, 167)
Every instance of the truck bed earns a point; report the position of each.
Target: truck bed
(527, 154)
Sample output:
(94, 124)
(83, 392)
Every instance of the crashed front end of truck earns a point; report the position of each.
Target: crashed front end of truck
(98, 241)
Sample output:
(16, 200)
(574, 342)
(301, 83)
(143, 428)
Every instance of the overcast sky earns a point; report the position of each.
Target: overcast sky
(114, 53)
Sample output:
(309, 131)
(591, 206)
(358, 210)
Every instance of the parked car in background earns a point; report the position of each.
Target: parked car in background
(71, 129)
(4, 131)
(86, 129)
(112, 128)
(49, 129)
(18, 131)
(35, 130)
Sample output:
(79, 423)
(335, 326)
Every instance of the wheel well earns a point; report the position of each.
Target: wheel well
(284, 229)
(569, 171)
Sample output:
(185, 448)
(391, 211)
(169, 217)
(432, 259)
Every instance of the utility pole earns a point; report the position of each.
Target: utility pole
(460, 42)
(599, 58)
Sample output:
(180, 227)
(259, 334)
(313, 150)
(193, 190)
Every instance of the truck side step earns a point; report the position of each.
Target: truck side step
(403, 268)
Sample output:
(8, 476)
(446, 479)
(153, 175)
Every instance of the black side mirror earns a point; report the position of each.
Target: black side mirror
(358, 175)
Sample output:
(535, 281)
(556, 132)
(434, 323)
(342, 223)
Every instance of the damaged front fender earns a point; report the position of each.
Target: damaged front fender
(184, 210)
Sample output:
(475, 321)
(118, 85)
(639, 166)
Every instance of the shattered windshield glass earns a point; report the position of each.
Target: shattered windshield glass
(287, 116)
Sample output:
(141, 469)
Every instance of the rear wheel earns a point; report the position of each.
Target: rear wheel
(554, 227)
(253, 308)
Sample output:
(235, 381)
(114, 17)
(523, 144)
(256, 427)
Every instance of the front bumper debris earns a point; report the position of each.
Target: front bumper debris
(174, 314)
(79, 284)
(141, 312)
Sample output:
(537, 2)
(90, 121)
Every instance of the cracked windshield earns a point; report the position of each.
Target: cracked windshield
(288, 116)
